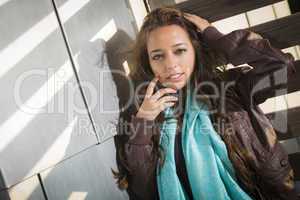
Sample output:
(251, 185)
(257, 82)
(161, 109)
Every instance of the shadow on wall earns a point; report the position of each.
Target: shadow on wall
(93, 161)
(33, 141)
(26, 137)
(118, 48)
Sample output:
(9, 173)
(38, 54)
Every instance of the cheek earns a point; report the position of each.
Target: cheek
(190, 63)
(156, 69)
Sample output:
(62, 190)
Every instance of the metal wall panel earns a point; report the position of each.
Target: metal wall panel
(101, 26)
(43, 118)
(85, 176)
(30, 189)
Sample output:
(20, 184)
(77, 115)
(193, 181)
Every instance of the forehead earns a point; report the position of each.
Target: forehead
(166, 36)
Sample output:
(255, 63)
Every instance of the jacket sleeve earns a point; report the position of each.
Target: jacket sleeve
(270, 66)
(268, 74)
(141, 160)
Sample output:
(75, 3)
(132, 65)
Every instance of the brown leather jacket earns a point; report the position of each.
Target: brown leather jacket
(245, 88)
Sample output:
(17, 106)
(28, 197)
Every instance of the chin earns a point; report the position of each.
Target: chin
(177, 86)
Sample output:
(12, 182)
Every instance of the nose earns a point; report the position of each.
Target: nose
(171, 62)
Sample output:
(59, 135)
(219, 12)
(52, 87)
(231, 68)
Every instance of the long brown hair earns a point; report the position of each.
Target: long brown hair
(207, 58)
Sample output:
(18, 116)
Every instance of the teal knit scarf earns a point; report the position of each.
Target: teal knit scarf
(210, 172)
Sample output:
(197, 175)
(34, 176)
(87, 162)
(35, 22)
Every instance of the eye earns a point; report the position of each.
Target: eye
(157, 57)
(180, 51)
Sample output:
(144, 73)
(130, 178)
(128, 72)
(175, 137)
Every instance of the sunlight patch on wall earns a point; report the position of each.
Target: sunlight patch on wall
(29, 40)
(2, 2)
(293, 99)
(57, 150)
(231, 23)
(29, 110)
(280, 103)
(77, 196)
(126, 67)
(274, 104)
(54, 154)
(106, 32)
(25, 189)
(139, 11)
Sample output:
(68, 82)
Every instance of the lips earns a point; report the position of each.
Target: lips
(175, 77)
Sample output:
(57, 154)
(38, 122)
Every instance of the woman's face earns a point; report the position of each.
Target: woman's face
(171, 55)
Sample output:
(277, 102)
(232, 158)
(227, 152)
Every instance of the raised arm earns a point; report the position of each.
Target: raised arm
(270, 66)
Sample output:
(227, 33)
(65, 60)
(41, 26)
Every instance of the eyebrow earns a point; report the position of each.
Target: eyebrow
(175, 45)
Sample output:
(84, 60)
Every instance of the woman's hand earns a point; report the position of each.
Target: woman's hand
(200, 22)
(153, 104)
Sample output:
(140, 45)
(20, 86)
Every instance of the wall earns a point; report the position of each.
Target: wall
(59, 62)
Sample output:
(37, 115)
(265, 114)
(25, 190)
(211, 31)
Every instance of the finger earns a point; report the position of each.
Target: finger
(189, 16)
(192, 19)
(162, 92)
(166, 99)
(150, 88)
(166, 105)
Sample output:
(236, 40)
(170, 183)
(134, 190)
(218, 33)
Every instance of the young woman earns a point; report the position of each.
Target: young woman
(196, 131)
